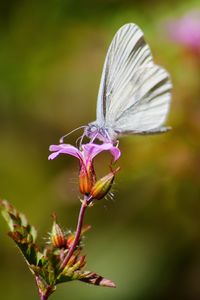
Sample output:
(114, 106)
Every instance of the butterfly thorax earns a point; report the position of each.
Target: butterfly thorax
(104, 134)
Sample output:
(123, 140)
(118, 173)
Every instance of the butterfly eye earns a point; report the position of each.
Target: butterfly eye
(93, 128)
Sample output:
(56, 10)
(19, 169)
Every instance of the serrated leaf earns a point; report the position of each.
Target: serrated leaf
(22, 232)
(93, 278)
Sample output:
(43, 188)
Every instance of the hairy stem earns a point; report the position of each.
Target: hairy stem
(43, 297)
(77, 235)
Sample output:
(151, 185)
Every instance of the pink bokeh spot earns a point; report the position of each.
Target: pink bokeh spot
(186, 30)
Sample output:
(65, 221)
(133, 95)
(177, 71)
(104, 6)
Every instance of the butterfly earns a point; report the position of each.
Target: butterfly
(134, 94)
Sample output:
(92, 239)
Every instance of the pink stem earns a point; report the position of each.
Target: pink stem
(84, 205)
(43, 297)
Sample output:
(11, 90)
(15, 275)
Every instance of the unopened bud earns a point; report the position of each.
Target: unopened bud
(103, 185)
(57, 236)
(70, 240)
(86, 179)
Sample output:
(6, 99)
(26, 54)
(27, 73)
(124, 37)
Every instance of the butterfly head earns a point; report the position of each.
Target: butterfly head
(94, 131)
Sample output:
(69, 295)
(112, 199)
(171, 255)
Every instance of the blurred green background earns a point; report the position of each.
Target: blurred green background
(148, 239)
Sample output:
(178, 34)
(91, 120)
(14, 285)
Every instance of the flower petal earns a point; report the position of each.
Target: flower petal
(90, 150)
(65, 149)
(53, 155)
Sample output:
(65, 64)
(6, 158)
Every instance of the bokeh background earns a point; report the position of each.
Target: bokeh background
(147, 239)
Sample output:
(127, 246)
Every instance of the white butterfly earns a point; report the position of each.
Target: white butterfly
(134, 94)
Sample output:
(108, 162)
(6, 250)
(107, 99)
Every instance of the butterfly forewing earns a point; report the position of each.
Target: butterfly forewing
(134, 93)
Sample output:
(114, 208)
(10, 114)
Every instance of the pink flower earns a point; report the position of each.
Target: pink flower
(89, 151)
(186, 31)
(87, 176)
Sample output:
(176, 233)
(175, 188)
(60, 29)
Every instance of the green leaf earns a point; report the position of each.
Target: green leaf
(23, 234)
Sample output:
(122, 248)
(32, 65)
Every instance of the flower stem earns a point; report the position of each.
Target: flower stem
(43, 297)
(77, 235)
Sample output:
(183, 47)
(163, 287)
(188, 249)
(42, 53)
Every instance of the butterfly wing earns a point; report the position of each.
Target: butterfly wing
(149, 96)
(134, 93)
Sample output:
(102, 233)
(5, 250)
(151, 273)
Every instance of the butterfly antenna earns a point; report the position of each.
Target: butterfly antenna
(81, 140)
(64, 136)
(77, 141)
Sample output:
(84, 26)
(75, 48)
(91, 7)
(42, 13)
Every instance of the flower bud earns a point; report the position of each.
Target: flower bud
(103, 185)
(57, 236)
(86, 178)
(70, 240)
